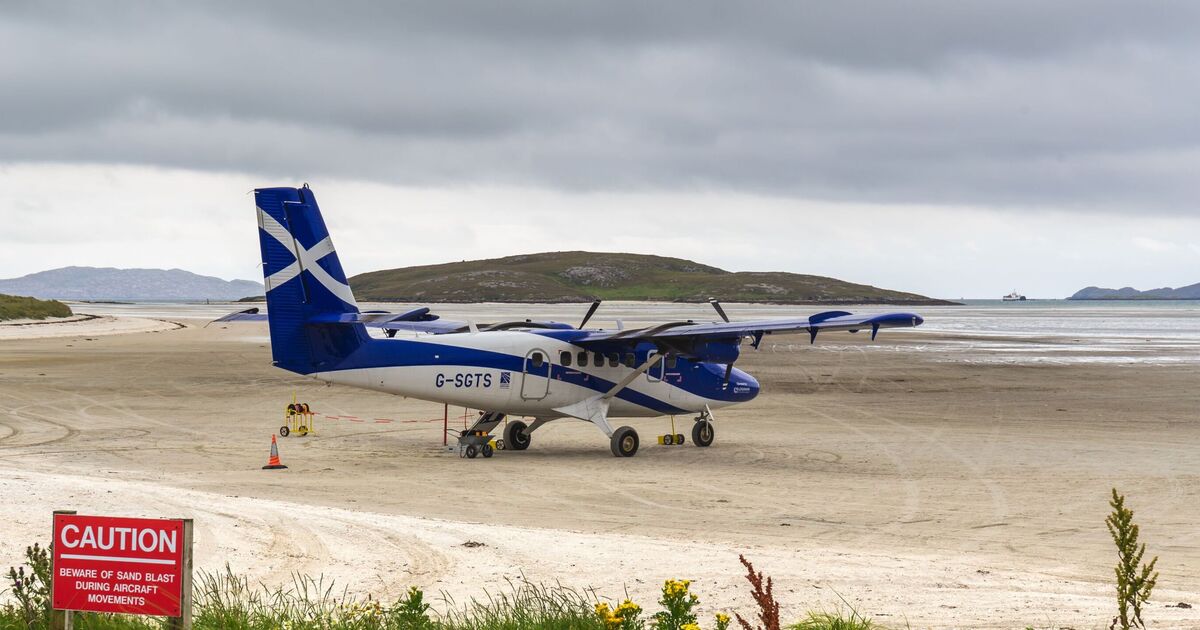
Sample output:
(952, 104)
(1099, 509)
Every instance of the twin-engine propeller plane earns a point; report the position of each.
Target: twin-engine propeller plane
(539, 370)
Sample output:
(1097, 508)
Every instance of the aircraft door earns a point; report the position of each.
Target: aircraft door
(535, 376)
(655, 373)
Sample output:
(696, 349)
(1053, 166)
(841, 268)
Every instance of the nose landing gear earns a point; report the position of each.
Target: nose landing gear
(703, 432)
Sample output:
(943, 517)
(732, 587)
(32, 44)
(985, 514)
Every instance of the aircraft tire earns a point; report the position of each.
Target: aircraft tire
(284, 431)
(624, 442)
(472, 451)
(515, 437)
(703, 433)
(486, 450)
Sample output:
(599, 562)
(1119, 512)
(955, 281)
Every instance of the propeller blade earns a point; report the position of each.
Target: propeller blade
(591, 311)
(728, 373)
(720, 311)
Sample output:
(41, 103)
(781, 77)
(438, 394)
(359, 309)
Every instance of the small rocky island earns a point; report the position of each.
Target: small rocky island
(583, 276)
(1190, 292)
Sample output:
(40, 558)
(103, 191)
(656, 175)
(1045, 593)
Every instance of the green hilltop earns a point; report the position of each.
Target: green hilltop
(17, 307)
(583, 276)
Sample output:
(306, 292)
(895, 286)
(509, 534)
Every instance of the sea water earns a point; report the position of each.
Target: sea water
(988, 331)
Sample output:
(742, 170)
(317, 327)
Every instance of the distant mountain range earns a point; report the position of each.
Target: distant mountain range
(1190, 292)
(584, 276)
(108, 283)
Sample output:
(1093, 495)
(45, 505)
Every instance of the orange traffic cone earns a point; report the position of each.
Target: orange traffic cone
(273, 461)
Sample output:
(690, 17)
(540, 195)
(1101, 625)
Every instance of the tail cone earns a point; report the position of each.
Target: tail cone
(273, 461)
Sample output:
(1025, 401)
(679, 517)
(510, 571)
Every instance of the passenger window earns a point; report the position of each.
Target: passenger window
(629, 359)
(613, 359)
(583, 359)
(672, 360)
(537, 359)
(598, 360)
(566, 359)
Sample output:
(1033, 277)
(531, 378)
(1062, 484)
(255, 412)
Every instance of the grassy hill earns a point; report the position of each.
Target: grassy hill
(583, 276)
(17, 307)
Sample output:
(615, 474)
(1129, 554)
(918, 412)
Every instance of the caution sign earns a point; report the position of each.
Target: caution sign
(121, 565)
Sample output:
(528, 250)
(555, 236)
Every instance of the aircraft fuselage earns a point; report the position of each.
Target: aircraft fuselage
(531, 373)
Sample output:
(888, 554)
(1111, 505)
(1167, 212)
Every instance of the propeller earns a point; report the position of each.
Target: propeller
(729, 367)
(591, 311)
(720, 311)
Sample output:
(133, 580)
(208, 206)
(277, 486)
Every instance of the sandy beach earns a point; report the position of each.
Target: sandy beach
(924, 491)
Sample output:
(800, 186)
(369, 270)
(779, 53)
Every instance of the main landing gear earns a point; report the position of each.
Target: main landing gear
(516, 436)
(624, 442)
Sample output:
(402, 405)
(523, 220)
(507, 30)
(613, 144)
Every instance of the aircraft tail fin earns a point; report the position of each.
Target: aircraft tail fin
(304, 280)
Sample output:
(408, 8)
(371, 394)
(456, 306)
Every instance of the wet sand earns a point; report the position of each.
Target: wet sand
(924, 491)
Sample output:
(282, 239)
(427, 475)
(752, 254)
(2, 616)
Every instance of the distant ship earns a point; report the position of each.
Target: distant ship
(1014, 297)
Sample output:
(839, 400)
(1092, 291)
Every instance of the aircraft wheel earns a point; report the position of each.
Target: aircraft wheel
(624, 442)
(703, 433)
(486, 450)
(472, 451)
(284, 431)
(515, 437)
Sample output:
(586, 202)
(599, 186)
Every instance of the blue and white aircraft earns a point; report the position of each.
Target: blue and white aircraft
(538, 370)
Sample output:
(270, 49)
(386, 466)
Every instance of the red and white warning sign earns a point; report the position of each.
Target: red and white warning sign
(121, 565)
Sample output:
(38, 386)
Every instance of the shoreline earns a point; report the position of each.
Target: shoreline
(83, 325)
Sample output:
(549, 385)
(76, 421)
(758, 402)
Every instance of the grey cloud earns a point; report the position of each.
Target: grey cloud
(1024, 104)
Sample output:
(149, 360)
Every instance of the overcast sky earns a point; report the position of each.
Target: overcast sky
(947, 148)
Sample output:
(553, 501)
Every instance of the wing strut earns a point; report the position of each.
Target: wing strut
(594, 409)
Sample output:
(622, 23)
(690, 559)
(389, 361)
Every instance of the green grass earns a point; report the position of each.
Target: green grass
(228, 601)
(17, 307)
(835, 621)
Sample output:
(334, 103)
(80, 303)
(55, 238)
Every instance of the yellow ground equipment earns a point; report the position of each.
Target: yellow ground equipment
(672, 438)
(298, 420)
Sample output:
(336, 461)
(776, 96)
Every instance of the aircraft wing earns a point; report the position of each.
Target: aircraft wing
(691, 332)
(416, 320)
(248, 315)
